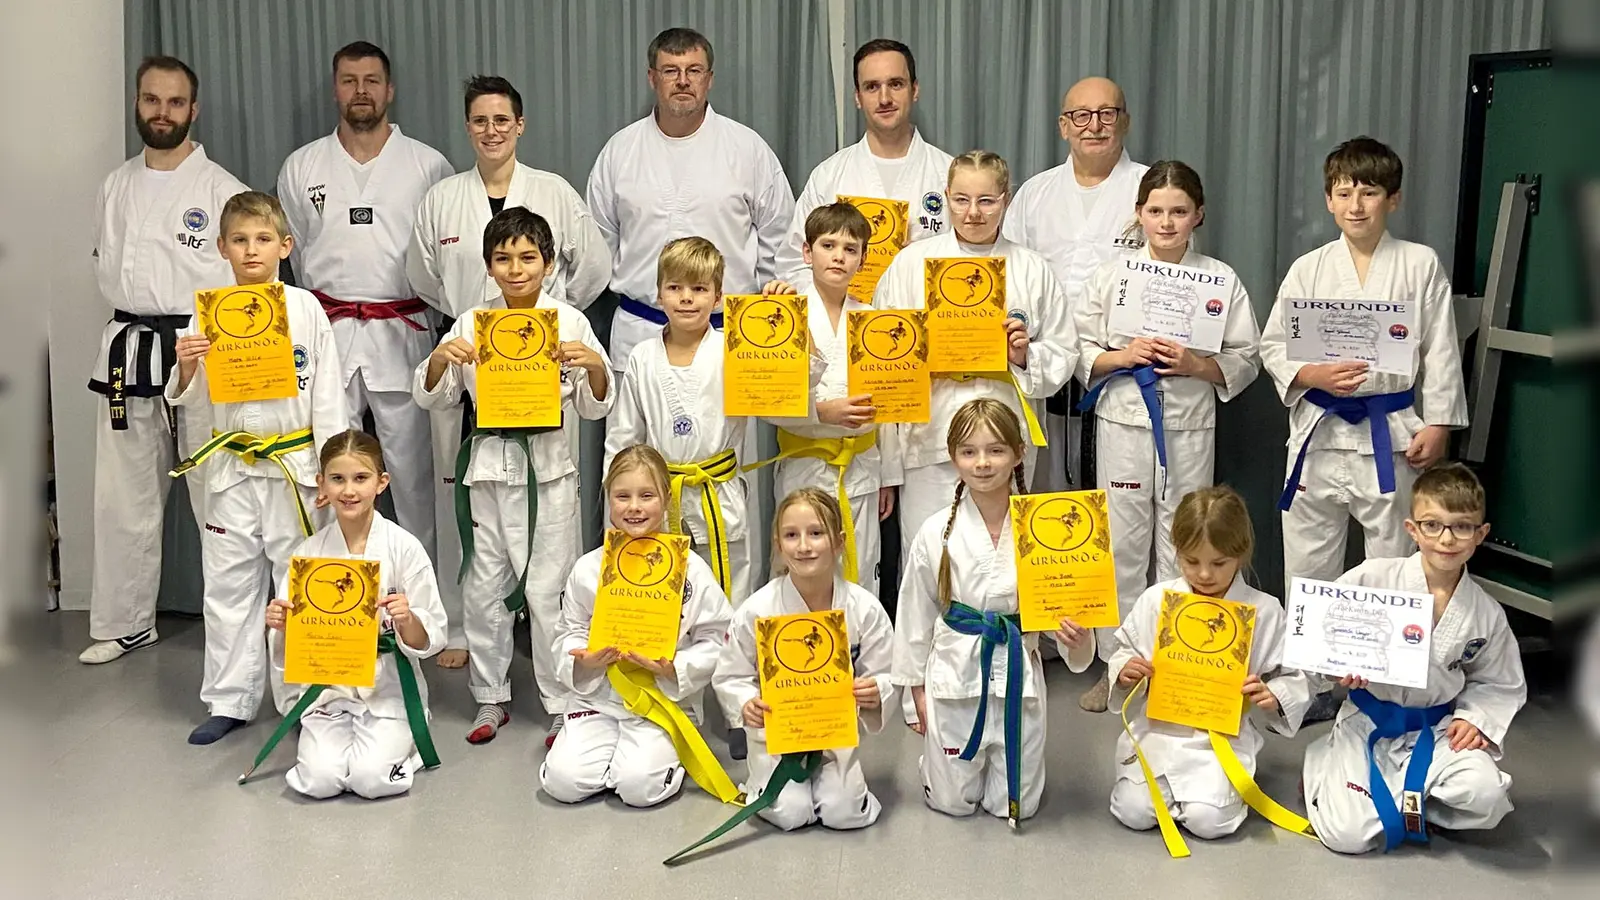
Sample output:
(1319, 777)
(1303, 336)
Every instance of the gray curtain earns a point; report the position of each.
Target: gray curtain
(1252, 93)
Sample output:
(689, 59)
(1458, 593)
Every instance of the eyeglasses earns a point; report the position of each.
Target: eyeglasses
(501, 124)
(694, 73)
(986, 205)
(1080, 118)
(1461, 531)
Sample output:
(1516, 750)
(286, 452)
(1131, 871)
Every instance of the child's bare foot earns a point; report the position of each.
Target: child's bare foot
(451, 658)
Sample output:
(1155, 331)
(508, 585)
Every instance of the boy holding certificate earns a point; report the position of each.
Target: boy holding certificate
(516, 484)
(1435, 748)
(1179, 325)
(276, 396)
(366, 740)
(604, 745)
(808, 540)
(1213, 538)
(838, 448)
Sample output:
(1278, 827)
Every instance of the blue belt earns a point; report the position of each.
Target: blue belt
(1391, 720)
(1375, 409)
(996, 629)
(1145, 377)
(650, 313)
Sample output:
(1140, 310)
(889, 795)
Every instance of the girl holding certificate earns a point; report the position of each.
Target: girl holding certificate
(976, 680)
(808, 542)
(1179, 324)
(369, 741)
(1212, 533)
(603, 745)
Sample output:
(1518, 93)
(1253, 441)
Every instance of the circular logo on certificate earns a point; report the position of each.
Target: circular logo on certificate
(643, 562)
(1061, 524)
(1213, 307)
(880, 217)
(767, 324)
(966, 284)
(1398, 331)
(1206, 627)
(889, 337)
(518, 336)
(242, 314)
(803, 646)
(334, 588)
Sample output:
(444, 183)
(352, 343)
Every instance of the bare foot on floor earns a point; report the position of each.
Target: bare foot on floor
(452, 658)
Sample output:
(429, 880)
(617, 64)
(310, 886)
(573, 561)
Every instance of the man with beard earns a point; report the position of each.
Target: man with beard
(351, 198)
(155, 245)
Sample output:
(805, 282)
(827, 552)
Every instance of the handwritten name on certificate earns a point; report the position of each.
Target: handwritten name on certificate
(766, 355)
(1201, 661)
(1346, 629)
(331, 633)
(966, 302)
(639, 605)
(1064, 564)
(890, 234)
(807, 679)
(889, 360)
(518, 368)
(1165, 300)
(1380, 333)
(251, 355)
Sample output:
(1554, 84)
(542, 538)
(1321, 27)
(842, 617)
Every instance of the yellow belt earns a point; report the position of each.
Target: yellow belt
(643, 698)
(1249, 791)
(1035, 432)
(837, 452)
(251, 449)
(706, 474)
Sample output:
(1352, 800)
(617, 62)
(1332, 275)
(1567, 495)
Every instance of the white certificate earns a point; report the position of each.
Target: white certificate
(1380, 333)
(1346, 629)
(1184, 304)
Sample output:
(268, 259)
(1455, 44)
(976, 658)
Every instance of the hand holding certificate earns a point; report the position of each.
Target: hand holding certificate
(518, 368)
(1064, 564)
(1202, 658)
(966, 303)
(766, 364)
(890, 234)
(251, 355)
(1347, 629)
(807, 682)
(331, 630)
(639, 605)
(889, 361)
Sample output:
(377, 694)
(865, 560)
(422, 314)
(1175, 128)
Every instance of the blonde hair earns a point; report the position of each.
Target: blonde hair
(253, 205)
(1216, 516)
(639, 457)
(1452, 486)
(984, 412)
(986, 161)
(690, 260)
(827, 509)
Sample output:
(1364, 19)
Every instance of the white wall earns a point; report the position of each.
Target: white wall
(67, 102)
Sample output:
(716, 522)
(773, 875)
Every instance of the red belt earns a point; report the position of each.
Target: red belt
(367, 312)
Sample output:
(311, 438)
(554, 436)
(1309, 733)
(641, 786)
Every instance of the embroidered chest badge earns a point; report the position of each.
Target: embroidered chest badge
(195, 219)
(932, 203)
(1470, 652)
(318, 195)
(683, 426)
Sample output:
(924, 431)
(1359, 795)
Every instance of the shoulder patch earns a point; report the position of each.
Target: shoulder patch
(195, 219)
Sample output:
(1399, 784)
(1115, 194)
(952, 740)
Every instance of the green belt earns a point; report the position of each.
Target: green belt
(416, 716)
(797, 768)
(519, 436)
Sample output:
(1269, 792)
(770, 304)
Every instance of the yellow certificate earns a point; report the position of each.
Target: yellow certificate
(807, 679)
(966, 302)
(639, 606)
(1202, 659)
(251, 355)
(766, 355)
(889, 360)
(331, 634)
(519, 368)
(890, 234)
(1064, 565)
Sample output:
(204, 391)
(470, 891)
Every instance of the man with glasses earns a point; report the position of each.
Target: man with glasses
(351, 198)
(445, 266)
(1079, 215)
(684, 170)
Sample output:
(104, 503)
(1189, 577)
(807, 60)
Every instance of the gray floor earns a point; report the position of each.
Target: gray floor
(126, 809)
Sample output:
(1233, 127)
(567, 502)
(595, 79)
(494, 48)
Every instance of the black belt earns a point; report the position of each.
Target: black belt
(117, 386)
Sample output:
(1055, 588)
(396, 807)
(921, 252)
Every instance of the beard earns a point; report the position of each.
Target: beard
(162, 140)
(364, 118)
